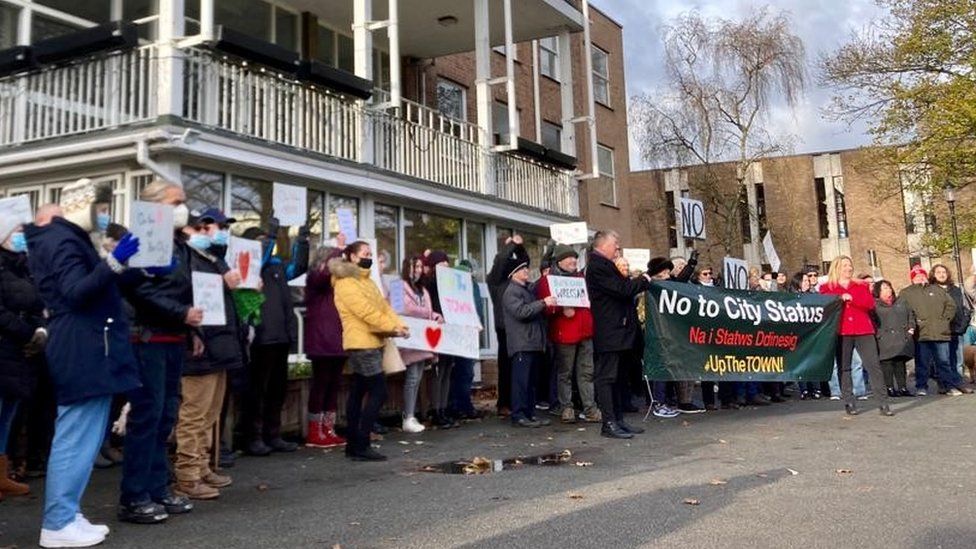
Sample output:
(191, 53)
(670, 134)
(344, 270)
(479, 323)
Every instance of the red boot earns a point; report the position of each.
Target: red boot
(316, 433)
(333, 439)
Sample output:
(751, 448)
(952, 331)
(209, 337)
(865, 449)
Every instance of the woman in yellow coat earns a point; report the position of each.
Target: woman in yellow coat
(367, 320)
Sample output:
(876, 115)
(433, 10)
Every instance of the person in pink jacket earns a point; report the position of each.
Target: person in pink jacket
(417, 304)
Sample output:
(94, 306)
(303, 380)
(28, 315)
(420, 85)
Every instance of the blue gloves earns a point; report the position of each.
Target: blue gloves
(128, 247)
(162, 271)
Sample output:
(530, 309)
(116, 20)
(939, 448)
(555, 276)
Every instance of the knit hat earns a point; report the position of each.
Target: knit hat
(514, 265)
(435, 257)
(917, 270)
(658, 264)
(79, 198)
(563, 251)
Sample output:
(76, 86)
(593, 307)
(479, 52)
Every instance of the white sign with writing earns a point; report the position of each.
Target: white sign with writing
(569, 233)
(208, 295)
(735, 273)
(298, 282)
(447, 339)
(569, 291)
(692, 219)
(152, 224)
(18, 208)
(771, 256)
(290, 204)
(347, 224)
(456, 289)
(396, 295)
(244, 256)
(637, 257)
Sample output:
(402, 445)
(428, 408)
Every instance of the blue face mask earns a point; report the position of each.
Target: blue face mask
(18, 242)
(201, 242)
(221, 238)
(102, 221)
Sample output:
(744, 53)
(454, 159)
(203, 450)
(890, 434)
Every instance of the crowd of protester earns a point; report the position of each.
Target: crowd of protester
(103, 364)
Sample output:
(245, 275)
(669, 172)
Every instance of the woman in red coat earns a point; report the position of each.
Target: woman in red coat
(856, 330)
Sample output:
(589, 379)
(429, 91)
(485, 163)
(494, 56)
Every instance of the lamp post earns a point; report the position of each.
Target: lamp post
(950, 198)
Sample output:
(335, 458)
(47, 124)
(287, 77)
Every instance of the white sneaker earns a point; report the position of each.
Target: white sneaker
(863, 397)
(834, 397)
(75, 534)
(411, 425)
(665, 411)
(100, 528)
(954, 392)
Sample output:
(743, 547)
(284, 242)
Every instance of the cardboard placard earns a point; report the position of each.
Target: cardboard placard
(637, 257)
(347, 224)
(396, 295)
(569, 233)
(569, 291)
(208, 295)
(18, 208)
(290, 204)
(456, 289)
(446, 339)
(735, 274)
(152, 224)
(771, 256)
(692, 219)
(244, 256)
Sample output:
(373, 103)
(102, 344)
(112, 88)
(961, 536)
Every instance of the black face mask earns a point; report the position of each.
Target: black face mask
(365, 263)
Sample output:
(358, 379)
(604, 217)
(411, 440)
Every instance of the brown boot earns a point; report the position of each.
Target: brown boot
(8, 486)
(217, 481)
(197, 490)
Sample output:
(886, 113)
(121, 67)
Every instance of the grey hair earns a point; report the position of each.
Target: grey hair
(603, 236)
(156, 191)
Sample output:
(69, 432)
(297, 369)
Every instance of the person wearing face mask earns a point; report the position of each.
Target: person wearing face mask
(367, 319)
(89, 355)
(273, 338)
(22, 338)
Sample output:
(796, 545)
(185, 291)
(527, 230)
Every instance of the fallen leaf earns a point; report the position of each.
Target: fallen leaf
(691, 501)
(792, 472)
(581, 429)
(405, 443)
(717, 482)
(418, 442)
(575, 495)
(263, 487)
(762, 475)
(429, 469)
(844, 471)
(477, 466)
(722, 441)
(584, 463)
(685, 423)
(353, 524)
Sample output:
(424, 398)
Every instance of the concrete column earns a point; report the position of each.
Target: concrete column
(169, 98)
(568, 137)
(482, 57)
(363, 66)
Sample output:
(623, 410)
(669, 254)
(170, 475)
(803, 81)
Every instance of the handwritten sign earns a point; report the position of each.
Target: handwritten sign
(290, 204)
(298, 282)
(771, 256)
(569, 233)
(446, 339)
(735, 273)
(456, 290)
(152, 224)
(396, 295)
(569, 291)
(17, 208)
(692, 219)
(244, 256)
(637, 257)
(208, 295)
(347, 224)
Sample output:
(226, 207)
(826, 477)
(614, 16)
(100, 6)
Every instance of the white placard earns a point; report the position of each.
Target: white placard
(290, 204)
(19, 208)
(152, 224)
(637, 257)
(456, 291)
(446, 339)
(771, 256)
(569, 291)
(208, 295)
(396, 294)
(244, 256)
(735, 273)
(298, 282)
(347, 224)
(692, 219)
(569, 233)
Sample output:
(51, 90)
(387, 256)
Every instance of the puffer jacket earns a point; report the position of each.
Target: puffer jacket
(525, 320)
(960, 321)
(934, 311)
(366, 317)
(21, 313)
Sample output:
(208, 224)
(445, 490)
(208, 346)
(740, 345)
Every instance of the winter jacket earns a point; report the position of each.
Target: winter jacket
(934, 310)
(894, 321)
(366, 317)
(88, 349)
(161, 302)
(323, 329)
(429, 283)
(960, 321)
(855, 318)
(278, 322)
(21, 314)
(417, 305)
(497, 280)
(222, 345)
(562, 329)
(525, 320)
(615, 324)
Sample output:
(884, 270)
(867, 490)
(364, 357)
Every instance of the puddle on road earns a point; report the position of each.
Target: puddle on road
(482, 465)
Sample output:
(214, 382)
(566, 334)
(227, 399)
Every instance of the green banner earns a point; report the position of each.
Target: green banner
(706, 333)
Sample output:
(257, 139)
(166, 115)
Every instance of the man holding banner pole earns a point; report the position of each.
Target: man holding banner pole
(615, 329)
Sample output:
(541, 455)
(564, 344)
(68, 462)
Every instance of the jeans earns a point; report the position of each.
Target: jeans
(524, 367)
(504, 372)
(747, 389)
(362, 415)
(8, 409)
(154, 409)
(78, 434)
(461, 379)
(938, 352)
(857, 373)
(266, 392)
(578, 357)
(411, 385)
(955, 353)
(442, 381)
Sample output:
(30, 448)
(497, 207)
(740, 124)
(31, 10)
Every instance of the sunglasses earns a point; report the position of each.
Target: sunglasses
(706, 274)
(812, 275)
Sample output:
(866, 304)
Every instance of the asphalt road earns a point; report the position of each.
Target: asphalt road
(799, 474)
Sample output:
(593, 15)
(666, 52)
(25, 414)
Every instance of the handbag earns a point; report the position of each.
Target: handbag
(392, 361)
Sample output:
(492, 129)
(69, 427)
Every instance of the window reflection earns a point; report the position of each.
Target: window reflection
(425, 231)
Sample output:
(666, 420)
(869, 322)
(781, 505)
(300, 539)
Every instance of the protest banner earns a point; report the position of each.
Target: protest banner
(152, 224)
(705, 333)
(447, 339)
(692, 219)
(244, 256)
(569, 233)
(290, 204)
(17, 208)
(208, 295)
(569, 291)
(347, 224)
(771, 256)
(637, 257)
(456, 289)
(735, 274)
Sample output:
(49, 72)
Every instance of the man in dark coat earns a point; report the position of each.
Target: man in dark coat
(615, 329)
(89, 354)
(497, 281)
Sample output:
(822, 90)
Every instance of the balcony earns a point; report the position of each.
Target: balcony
(226, 94)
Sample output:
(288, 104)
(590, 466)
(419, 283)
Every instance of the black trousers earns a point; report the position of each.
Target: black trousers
(609, 385)
(266, 391)
(894, 373)
(504, 372)
(867, 348)
(360, 414)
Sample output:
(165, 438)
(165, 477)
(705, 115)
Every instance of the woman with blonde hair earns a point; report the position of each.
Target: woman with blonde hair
(856, 330)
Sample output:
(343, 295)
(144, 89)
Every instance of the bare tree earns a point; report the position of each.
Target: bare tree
(724, 76)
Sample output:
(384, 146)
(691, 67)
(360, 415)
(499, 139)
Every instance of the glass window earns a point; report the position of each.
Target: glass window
(43, 27)
(744, 213)
(499, 119)
(316, 216)
(451, 99)
(326, 46)
(250, 203)
(552, 136)
(761, 208)
(96, 11)
(669, 206)
(347, 54)
(608, 192)
(601, 76)
(502, 234)
(535, 245)
(840, 207)
(824, 224)
(381, 69)
(252, 17)
(549, 57)
(387, 236)
(425, 231)
(8, 26)
(286, 29)
(475, 234)
(202, 188)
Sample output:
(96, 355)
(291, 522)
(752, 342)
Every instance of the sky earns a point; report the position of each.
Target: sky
(824, 25)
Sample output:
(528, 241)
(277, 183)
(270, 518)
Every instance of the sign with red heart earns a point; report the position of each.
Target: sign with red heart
(446, 339)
